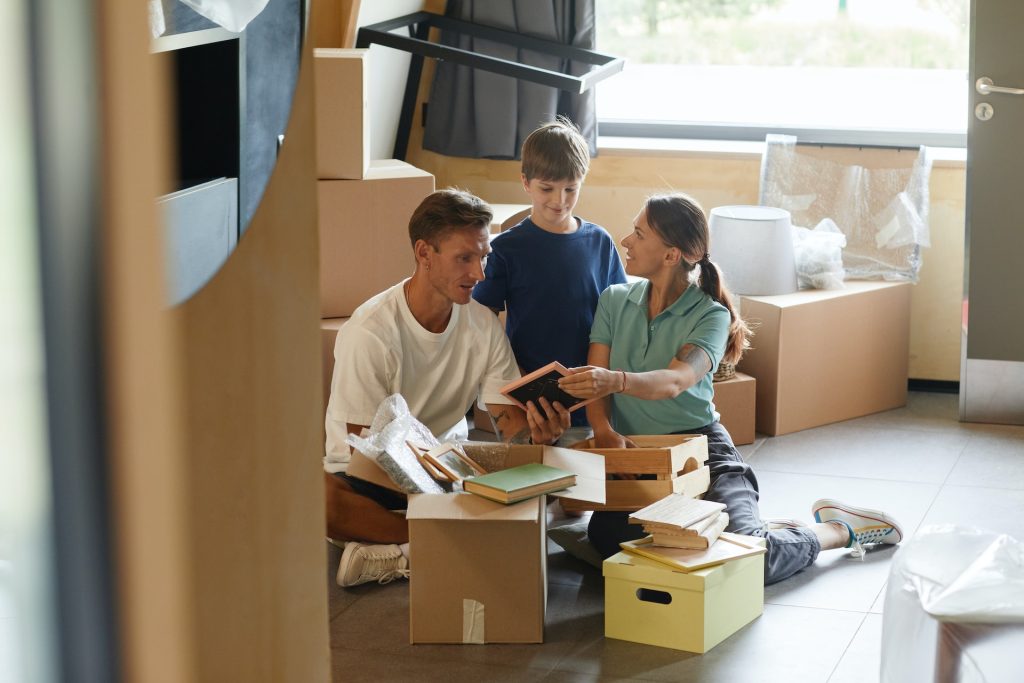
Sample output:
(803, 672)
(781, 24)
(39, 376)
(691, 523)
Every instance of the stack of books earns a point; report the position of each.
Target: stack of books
(679, 521)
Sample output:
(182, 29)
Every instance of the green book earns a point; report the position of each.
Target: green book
(519, 483)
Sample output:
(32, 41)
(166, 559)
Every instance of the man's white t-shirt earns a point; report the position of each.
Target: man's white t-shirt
(383, 350)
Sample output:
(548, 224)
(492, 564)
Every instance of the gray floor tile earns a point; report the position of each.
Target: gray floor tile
(784, 644)
(992, 509)
(379, 625)
(338, 598)
(356, 666)
(993, 457)
(836, 581)
(862, 660)
(845, 450)
(749, 451)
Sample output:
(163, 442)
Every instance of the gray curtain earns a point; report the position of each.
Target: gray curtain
(475, 113)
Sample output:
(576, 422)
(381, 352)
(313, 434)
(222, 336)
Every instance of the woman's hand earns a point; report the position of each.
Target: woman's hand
(590, 381)
(612, 439)
(546, 425)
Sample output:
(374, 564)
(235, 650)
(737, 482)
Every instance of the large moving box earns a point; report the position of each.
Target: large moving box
(364, 233)
(342, 113)
(735, 400)
(822, 356)
(648, 602)
(481, 570)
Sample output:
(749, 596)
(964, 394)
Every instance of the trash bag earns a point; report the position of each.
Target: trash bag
(954, 608)
(819, 256)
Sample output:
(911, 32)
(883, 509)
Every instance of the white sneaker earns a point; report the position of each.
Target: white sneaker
(361, 563)
(865, 526)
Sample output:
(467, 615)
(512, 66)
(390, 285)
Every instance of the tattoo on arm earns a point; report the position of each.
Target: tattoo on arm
(696, 358)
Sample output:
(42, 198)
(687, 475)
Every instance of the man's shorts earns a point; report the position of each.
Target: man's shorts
(392, 500)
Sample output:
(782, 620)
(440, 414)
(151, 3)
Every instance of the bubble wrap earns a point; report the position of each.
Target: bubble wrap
(883, 212)
(392, 426)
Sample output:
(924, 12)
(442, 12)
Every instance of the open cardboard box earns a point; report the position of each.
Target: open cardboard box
(481, 567)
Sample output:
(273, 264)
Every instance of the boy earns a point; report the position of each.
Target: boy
(548, 271)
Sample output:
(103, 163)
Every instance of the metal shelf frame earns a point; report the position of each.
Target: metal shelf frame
(417, 43)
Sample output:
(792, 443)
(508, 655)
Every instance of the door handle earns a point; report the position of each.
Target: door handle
(984, 86)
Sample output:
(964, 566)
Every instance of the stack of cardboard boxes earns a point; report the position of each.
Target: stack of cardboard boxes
(364, 205)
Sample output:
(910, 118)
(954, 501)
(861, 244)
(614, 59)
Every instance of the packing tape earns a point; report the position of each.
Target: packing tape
(472, 622)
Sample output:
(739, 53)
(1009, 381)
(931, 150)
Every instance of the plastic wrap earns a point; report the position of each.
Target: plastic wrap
(819, 256)
(954, 608)
(883, 212)
(385, 443)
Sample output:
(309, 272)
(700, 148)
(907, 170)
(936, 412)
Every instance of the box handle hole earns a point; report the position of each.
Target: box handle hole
(650, 595)
(690, 465)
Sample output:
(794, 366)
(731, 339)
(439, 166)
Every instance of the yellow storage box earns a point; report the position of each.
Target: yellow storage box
(649, 602)
(676, 461)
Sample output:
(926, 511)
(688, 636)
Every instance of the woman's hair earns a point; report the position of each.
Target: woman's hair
(680, 222)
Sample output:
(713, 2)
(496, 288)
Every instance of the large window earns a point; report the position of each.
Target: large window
(885, 72)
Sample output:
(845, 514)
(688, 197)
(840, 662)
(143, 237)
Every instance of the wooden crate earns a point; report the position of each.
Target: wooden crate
(677, 462)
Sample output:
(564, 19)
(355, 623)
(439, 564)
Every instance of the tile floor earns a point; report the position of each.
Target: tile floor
(825, 624)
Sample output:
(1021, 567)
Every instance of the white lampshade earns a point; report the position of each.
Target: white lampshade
(753, 246)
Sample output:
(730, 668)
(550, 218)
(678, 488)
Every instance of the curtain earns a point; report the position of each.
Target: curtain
(474, 113)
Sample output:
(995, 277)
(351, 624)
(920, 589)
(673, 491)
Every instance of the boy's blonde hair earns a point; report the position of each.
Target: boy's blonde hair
(556, 151)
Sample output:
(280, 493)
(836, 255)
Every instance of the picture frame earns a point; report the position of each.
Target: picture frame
(543, 382)
(452, 462)
(420, 454)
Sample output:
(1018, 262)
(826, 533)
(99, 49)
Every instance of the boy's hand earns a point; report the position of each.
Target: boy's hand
(546, 427)
(589, 381)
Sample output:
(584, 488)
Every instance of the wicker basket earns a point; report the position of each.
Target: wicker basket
(726, 371)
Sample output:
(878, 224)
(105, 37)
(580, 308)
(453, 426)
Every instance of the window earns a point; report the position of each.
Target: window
(871, 72)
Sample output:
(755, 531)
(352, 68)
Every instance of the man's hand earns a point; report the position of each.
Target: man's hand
(546, 426)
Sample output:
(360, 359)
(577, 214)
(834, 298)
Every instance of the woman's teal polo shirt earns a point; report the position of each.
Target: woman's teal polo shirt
(639, 345)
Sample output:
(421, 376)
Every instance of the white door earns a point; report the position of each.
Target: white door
(992, 366)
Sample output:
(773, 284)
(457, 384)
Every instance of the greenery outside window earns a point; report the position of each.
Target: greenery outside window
(859, 72)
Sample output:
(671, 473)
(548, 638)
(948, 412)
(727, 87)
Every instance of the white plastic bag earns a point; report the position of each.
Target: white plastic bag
(819, 255)
(954, 608)
(234, 15)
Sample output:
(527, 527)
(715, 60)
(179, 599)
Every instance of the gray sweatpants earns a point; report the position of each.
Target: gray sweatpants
(733, 483)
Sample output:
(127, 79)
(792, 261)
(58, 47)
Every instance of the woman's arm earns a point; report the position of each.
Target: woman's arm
(688, 367)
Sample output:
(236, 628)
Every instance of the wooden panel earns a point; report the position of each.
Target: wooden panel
(252, 405)
(147, 468)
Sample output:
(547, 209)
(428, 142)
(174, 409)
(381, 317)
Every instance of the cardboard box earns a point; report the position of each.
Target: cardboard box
(507, 215)
(481, 570)
(822, 356)
(328, 335)
(364, 233)
(648, 602)
(676, 460)
(342, 113)
(735, 400)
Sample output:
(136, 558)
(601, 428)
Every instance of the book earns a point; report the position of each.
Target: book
(698, 541)
(543, 382)
(675, 511)
(519, 483)
(729, 547)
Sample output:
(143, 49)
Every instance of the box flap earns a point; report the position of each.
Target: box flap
(589, 471)
(466, 506)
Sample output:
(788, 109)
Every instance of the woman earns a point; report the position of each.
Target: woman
(653, 348)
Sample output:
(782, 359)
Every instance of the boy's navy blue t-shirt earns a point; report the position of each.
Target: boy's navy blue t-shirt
(549, 285)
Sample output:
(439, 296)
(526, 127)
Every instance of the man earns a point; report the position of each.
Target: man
(426, 339)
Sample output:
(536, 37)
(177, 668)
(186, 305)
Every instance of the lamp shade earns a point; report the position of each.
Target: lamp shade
(753, 246)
